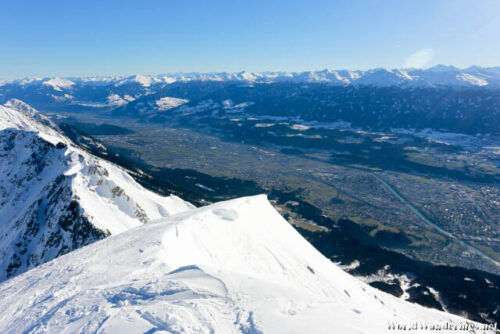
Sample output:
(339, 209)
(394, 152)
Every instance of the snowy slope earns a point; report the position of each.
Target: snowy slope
(55, 197)
(167, 103)
(234, 266)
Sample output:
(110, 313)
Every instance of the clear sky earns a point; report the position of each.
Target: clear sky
(76, 38)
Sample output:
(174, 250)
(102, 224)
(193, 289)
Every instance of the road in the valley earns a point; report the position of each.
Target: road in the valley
(428, 222)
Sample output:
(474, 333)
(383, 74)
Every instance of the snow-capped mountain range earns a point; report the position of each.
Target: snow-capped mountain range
(439, 75)
(234, 266)
(55, 197)
(146, 95)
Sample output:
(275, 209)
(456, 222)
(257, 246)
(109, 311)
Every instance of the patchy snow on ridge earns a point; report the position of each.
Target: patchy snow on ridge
(27, 81)
(167, 103)
(300, 127)
(117, 100)
(143, 80)
(475, 81)
(234, 266)
(112, 100)
(229, 106)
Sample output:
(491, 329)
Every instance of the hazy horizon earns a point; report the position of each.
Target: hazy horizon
(243, 71)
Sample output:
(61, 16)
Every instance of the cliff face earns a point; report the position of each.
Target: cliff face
(55, 198)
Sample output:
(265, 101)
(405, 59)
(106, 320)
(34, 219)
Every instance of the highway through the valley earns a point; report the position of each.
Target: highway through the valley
(428, 222)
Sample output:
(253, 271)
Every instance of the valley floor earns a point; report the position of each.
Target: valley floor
(341, 189)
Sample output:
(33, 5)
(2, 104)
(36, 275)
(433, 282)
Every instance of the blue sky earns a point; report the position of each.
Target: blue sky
(75, 38)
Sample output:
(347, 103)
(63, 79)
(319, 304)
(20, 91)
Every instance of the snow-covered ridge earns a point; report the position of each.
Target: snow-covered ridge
(234, 266)
(59, 84)
(439, 75)
(18, 115)
(55, 197)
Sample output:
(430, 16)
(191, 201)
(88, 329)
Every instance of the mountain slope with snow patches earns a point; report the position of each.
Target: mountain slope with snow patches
(55, 197)
(167, 103)
(234, 266)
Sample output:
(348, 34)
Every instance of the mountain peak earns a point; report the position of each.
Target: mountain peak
(59, 84)
(19, 115)
(142, 80)
(57, 197)
(22, 106)
(443, 68)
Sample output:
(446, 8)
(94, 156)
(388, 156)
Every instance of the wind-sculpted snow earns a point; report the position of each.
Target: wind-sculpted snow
(234, 266)
(55, 197)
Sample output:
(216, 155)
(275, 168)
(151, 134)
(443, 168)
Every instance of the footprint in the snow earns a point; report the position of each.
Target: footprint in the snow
(226, 214)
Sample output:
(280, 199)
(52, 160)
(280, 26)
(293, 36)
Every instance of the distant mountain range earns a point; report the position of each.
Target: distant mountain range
(439, 75)
(442, 97)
